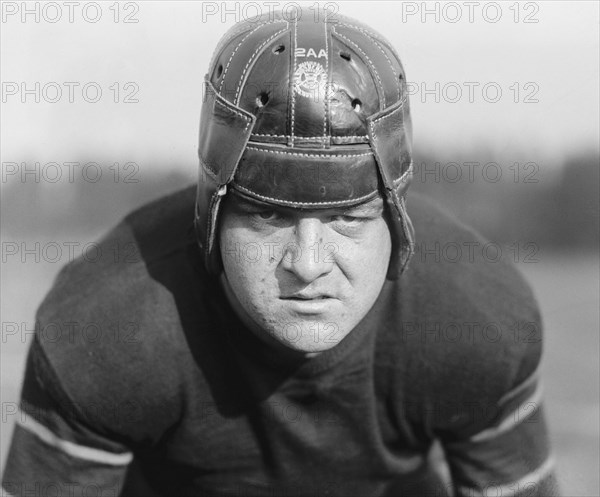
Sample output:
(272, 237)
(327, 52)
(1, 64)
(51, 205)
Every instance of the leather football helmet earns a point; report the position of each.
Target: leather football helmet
(305, 113)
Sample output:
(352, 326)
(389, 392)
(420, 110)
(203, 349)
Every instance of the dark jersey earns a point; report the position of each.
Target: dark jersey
(139, 358)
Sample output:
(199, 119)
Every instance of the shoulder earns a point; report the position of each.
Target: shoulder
(116, 278)
(465, 311)
(454, 264)
(110, 327)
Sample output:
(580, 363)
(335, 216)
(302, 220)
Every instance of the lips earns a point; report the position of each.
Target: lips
(309, 304)
(306, 296)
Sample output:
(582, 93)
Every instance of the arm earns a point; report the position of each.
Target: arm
(511, 456)
(54, 449)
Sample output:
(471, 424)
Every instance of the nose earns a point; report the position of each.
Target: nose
(305, 255)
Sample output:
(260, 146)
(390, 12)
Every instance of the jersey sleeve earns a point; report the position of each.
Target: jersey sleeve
(106, 370)
(511, 456)
(55, 450)
(474, 349)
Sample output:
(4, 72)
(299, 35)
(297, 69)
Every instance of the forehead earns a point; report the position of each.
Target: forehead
(239, 202)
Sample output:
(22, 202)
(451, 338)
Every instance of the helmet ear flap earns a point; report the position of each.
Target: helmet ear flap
(205, 223)
(224, 134)
(401, 230)
(389, 134)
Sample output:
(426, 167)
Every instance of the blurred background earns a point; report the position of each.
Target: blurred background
(100, 112)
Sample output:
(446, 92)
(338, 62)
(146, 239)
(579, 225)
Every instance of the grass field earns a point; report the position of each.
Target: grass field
(567, 287)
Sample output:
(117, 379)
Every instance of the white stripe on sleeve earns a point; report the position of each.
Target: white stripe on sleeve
(527, 408)
(525, 484)
(79, 451)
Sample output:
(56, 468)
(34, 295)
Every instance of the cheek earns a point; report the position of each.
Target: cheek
(366, 260)
(245, 261)
(376, 261)
(231, 245)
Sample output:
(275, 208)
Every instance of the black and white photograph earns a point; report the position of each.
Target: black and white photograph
(300, 249)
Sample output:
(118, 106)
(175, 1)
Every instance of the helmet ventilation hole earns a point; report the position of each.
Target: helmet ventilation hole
(278, 49)
(262, 99)
(219, 70)
(345, 56)
(356, 105)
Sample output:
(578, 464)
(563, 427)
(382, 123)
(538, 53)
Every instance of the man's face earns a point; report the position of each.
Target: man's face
(303, 278)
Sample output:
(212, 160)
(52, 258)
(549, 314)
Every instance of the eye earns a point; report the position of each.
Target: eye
(346, 220)
(266, 215)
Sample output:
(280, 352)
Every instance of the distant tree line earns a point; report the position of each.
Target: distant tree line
(551, 206)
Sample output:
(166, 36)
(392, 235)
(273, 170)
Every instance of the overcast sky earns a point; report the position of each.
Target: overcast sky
(550, 67)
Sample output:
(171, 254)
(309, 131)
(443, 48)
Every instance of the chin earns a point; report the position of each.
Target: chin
(310, 338)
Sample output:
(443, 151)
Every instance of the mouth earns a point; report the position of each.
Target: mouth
(309, 304)
(301, 297)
